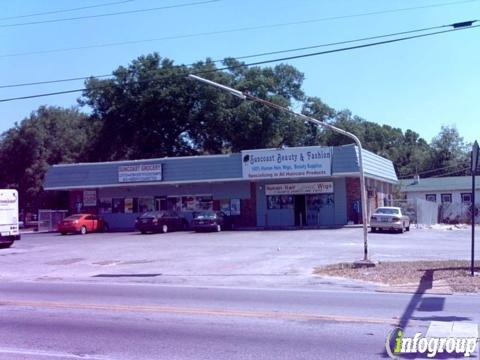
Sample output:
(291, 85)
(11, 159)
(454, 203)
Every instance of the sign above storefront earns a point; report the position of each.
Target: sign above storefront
(140, 173)
(313, 161)
(89, 198)
(299, 188)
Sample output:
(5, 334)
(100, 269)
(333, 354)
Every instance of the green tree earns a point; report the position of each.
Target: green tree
(449, 152)
(151, 109)
(50, 135)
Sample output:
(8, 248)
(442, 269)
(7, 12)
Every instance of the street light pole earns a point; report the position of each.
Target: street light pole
(363, 198)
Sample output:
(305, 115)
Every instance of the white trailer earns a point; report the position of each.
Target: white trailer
(9, 228)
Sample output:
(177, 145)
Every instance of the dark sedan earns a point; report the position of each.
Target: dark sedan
(160, 221)
(211, 221)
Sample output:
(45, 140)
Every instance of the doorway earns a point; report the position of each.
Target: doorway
(300, 213)
(160, 203)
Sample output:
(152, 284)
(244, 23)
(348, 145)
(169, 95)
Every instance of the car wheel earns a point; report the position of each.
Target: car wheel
(408, 227)
(63, 233)
(164, 228)
(218, 228)
(143, 232)
(6, 245)
(83, 230)
(373, 230)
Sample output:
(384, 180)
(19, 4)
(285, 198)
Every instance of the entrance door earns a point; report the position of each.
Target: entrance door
(300, 213)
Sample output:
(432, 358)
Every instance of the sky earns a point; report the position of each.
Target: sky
(418, 84)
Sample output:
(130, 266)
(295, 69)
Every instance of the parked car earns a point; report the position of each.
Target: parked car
(160, 221)
(389, 218)
(82, 223)
(211, 221)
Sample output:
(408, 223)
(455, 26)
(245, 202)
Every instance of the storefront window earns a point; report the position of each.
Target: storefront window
(145, 204)
(189, 203)
(128, 205)
(204, 203)
(225, 206)
(118, 206)
(279, 202)
(105, 205)
(235, 207)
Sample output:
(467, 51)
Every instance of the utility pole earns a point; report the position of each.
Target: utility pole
(246, 96)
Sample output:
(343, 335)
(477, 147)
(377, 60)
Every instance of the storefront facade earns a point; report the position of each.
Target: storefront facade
(265, 188)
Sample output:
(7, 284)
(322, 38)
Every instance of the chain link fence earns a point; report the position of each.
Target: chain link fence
(423, 212)
(419, 211)
(48, 219)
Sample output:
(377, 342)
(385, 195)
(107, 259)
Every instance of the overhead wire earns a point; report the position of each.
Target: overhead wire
(428, 171)
(136, 11)
(226, 31)
(244, 56)
(452, 172)
(243, 65)
(51, 12)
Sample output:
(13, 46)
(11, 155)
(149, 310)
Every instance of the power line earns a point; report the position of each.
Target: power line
(228, 31)
(452, 172)
(261, 62)
(241, 57)
(111, 14)
(65, 10)
(429, 171)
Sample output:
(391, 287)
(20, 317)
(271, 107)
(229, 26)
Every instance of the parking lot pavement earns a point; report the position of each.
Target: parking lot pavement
(240, 258)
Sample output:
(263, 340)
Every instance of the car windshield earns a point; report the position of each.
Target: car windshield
(152, 214)
(388, 211)
(206, 215)
(73, 217)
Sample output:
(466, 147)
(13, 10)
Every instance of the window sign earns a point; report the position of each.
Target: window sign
(89, 198)
(312, 161)
(128, 205)
(279, 202)
(235, 207)
(140, 173)
(225, 206)
(189, 203)
(299, 188)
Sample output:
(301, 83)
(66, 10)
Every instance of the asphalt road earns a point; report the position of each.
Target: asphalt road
(140, 321)
(237, 258)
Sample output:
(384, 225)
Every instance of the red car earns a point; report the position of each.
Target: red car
(82, 223)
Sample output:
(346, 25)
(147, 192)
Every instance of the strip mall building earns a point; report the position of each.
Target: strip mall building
(265, 188)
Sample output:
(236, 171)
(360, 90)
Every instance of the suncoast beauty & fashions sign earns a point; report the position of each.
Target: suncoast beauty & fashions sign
(312, 161)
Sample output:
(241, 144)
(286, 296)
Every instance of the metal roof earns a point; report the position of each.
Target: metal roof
(207, 168)
(447, 183)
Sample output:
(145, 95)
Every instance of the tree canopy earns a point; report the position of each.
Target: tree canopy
(151, 109)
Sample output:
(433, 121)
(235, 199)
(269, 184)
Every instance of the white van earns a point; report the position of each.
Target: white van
(9, 227)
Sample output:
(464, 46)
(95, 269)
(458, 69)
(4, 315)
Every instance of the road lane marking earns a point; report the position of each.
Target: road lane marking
(51, 354)
(202, 312)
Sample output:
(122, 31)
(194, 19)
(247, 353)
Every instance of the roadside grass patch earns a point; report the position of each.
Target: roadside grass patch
(456, 273)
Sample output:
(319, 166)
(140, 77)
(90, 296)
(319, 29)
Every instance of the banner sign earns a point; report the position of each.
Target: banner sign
(299, 188)
(139, 173)
(297, 162)
(89, 198)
